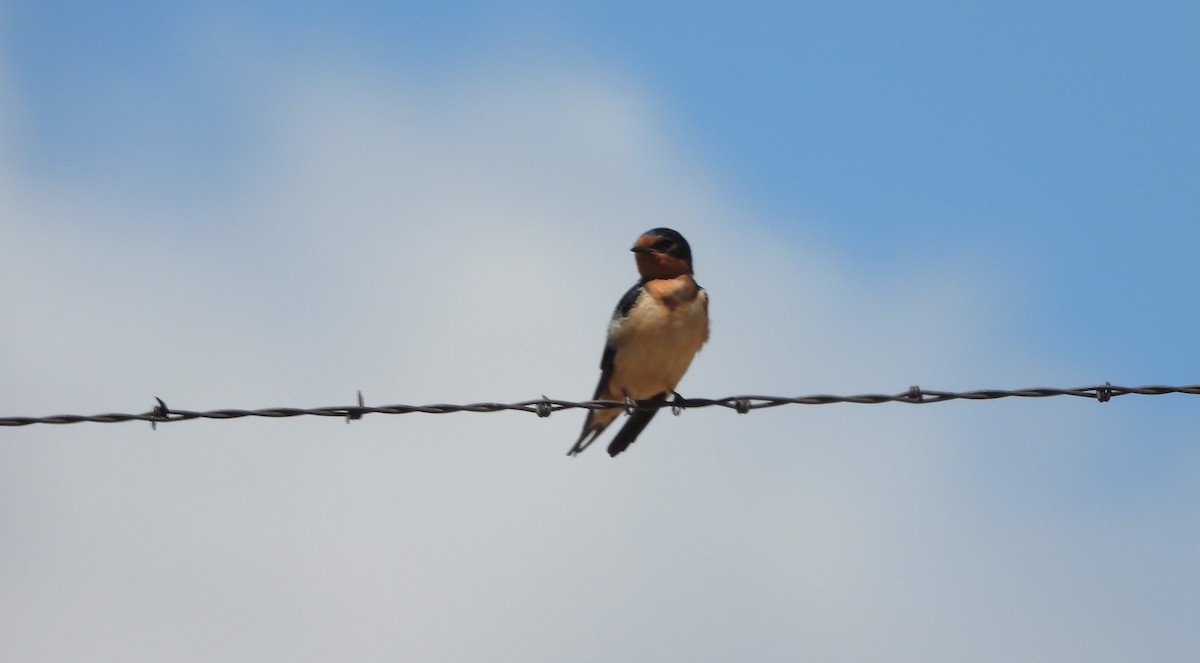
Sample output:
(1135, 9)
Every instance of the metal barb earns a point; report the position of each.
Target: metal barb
(1103, 394)
(159, 411)
(542, 408)
(355, 415)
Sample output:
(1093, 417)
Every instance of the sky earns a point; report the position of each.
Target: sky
(254, 204)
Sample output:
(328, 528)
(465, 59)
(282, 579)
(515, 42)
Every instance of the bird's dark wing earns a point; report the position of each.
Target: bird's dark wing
(593, 426)
(623, 307)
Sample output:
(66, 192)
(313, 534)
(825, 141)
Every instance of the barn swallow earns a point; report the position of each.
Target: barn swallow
(656, 329)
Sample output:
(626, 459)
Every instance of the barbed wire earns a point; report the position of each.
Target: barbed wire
(544, 407)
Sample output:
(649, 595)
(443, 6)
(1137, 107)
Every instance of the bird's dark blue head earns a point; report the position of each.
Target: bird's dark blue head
(663, 253)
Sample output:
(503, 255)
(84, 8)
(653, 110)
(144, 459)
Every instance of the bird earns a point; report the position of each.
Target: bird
(657, 328)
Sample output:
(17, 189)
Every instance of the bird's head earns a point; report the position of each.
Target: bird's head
(662, 253)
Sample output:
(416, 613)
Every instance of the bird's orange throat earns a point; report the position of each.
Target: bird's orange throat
(674, 292)
(660, 265)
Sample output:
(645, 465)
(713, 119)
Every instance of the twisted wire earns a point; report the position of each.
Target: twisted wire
(544, 407)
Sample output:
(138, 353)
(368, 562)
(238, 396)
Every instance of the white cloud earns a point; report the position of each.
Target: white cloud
(465, 241)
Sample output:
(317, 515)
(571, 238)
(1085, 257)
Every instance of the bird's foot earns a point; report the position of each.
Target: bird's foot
(677, 403)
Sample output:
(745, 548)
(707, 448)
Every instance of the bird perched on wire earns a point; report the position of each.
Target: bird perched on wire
(657, 328)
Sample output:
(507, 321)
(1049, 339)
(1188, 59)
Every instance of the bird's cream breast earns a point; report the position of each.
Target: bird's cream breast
(659, 337)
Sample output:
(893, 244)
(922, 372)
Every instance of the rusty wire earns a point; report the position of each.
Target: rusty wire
(544, 407)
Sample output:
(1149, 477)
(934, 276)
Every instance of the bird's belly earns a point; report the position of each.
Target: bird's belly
(654, 357)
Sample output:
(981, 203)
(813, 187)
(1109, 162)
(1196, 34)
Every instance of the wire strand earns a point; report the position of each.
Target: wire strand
(544, 407)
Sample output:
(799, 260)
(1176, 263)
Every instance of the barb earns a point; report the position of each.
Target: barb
(544, 407)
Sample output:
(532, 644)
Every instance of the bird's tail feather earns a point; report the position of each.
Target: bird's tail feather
(588, 436)
(596, 423)
(632, 428)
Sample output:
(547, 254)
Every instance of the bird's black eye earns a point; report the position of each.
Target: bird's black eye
(663, 244)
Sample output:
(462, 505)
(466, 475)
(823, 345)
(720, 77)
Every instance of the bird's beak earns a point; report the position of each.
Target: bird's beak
(642, 249)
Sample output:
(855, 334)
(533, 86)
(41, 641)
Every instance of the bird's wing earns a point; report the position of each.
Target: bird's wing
(610, 347)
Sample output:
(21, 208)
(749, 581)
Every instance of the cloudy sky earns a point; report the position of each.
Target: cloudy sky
(250, 204)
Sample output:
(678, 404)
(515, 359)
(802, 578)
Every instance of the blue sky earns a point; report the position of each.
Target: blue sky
(1057, 140)
(253, 204)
